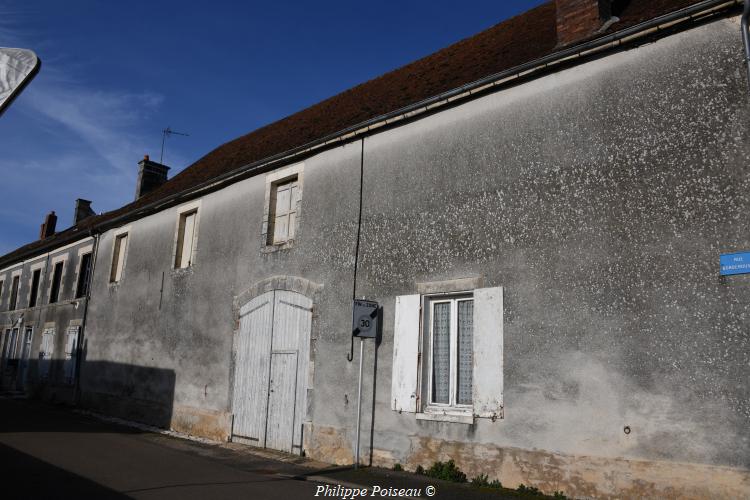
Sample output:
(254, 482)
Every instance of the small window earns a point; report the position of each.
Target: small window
(448, 354)
(54, 293)
(118, 257)
(1, 289)
(185, 240)
(35, 277)
(82, 288)
(283, 211)
(451, 347)
(13, 294)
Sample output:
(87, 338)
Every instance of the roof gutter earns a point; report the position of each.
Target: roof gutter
(541, 65)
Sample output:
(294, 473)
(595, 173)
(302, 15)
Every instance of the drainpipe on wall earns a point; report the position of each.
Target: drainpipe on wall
(746, 36)
(81, 334)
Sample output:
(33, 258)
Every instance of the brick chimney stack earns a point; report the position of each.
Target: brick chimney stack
(48, 228)
(83, 210)
(151, 175)
(579, 19)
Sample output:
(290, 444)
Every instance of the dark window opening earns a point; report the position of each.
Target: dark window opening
(34, 287)
(82, 289)
(54, 293)
(13, 294)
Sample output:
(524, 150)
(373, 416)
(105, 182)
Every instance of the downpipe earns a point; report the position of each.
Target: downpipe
(745, 21)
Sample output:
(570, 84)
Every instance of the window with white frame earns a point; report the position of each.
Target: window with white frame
(186, 236)
(448, 355)
(118, 257)
(283, 211)
(451, 329)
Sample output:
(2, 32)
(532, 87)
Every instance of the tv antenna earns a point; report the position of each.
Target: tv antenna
(164, 133)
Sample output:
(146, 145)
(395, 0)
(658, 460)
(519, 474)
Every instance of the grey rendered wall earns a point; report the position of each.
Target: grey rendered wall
(186, 329)
(600, 198)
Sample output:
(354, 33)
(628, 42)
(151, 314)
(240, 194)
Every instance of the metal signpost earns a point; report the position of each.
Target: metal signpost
(365, 326)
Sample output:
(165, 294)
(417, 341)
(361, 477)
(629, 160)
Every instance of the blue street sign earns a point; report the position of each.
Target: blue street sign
(735, 263)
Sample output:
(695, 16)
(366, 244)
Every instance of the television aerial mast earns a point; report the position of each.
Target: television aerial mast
(164, 133)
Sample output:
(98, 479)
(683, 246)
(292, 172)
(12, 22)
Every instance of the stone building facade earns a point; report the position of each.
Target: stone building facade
(543, 239)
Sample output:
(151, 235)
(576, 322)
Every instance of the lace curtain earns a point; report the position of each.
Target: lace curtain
(441, 353)
(465, 348)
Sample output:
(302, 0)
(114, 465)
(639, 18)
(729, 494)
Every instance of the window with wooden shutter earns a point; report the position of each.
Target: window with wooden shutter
(404, 381)
(487, 389)
(460, 374)
(118, 257)
(283, 211)
(186, 239)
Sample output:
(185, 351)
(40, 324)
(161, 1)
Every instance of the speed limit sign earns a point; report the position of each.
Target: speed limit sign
(365, 319)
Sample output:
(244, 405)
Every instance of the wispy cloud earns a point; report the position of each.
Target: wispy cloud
(69, 138)
(109, 122)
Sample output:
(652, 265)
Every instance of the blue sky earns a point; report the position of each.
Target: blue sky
(114, 74)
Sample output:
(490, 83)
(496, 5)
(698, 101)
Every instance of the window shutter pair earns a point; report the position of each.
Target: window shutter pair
(487, 390)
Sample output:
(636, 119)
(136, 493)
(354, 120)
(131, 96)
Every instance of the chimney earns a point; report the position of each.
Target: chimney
(579, 19)
(83, 210)
(48, 228)
(151, 175)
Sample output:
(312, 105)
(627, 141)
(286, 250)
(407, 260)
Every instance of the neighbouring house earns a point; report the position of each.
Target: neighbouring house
(539, 210)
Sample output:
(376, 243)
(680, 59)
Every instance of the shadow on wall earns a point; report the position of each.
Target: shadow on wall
(139, 393)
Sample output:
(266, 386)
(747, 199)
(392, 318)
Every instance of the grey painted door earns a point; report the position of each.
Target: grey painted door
(281, 400)
(270, 374)
(253, 350)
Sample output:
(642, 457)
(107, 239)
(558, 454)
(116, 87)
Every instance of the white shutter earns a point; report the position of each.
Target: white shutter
(487, 391)
(187, 240)
(405, 354)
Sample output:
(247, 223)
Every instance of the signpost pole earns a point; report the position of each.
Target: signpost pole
(364, 325)
(359, 398)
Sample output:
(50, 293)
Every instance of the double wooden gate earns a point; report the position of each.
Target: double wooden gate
(270, 374)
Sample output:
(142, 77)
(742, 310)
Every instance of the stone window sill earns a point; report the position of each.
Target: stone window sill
(278, 246)
(455, 417)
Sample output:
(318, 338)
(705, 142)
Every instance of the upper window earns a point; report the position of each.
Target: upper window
(57, 273)
(283, 211)
(118, 257)
(35, 277)
(84, 273)
(451, 322)
(186, 237)
(2, 282)
(13, 294)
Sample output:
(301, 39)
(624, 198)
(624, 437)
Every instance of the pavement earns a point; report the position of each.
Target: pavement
(49, 451)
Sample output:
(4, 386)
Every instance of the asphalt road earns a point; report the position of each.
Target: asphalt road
(48, 452)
